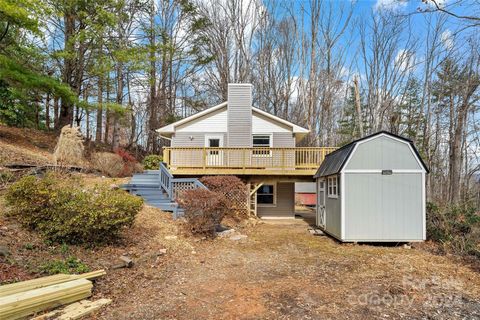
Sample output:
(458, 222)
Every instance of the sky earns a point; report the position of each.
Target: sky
(419, 24)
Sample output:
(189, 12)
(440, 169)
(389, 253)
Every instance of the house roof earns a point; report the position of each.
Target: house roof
(169, 129)
(335, 161)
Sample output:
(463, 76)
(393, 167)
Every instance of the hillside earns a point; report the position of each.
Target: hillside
(27, 146)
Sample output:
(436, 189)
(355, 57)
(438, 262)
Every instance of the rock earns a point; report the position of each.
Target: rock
(225, 233)
(162, 252)
(4, 251)
(407, 246)
(128, 262)
(170, 237)
(238, 237)
(125, 262)
(316, 232)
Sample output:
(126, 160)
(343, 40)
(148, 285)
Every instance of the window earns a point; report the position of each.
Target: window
(266, 195)
(213, 143)
(262, 142)
(332, 186)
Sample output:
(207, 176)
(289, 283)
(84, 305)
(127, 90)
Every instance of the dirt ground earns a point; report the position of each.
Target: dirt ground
(280, 271)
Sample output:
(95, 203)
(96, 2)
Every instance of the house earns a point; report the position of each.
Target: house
(373, 189)
(235, 138)
(305, 194)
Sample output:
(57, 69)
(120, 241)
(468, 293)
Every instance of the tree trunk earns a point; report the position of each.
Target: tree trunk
(66, 108)
(119, 100)
(358, 107)
(47, 111)
(55, 112)
(98, 132)
(152, 112)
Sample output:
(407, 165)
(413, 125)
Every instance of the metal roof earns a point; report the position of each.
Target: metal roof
(335, 161)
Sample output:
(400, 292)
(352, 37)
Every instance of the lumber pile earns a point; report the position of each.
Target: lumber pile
(75, 310)
(22, 299)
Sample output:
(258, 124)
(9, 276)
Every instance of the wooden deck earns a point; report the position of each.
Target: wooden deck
(244, 161)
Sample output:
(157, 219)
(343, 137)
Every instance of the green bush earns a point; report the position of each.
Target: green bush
(64, 210)
(71, 265)
(152, 162)
(457, 228)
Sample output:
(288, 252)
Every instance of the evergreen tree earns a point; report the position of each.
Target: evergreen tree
(22, 77)
(348, 125)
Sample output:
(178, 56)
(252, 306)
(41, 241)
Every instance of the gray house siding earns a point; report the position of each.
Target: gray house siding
(285, 207)
(283, 140)
(382, 153)
(383, 207)
(193, 139)
(239, 117)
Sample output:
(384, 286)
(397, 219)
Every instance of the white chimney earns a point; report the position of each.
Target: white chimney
(239, 115)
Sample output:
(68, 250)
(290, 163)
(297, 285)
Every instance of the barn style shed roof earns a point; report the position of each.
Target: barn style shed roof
(335, 161)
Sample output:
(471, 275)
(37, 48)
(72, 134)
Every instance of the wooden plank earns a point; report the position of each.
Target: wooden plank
(21, 304)
(12, 288)
(75, 310)
(256, 188)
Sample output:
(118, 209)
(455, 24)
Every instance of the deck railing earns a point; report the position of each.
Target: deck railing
(281, 159)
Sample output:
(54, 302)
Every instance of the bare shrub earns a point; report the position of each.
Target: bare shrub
(130, 164)
(234, 190)
(204, 210)
(456, 228)
(110, 164)
(69, 149)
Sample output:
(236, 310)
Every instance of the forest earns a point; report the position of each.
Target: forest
(119, 69)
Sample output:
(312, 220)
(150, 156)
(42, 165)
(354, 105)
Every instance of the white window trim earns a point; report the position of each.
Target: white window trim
(270, 144)
(274, 204)
(214, 136)
(330, 179)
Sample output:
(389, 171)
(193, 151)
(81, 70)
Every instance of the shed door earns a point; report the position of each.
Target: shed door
(321, 203)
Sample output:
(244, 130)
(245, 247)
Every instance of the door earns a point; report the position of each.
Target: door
(321, 203)
(214, 156)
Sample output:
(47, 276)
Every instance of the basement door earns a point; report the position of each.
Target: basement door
(214, 156)
(320, 219)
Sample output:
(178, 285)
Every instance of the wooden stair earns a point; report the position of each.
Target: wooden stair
(147, 186)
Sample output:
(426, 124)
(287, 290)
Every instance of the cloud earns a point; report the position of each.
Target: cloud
(390, 5)
(447, 39)
(441, 3)
(405, 60)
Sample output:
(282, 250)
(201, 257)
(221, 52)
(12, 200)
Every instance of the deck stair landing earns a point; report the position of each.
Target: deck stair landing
(160, 188)
(147, 186)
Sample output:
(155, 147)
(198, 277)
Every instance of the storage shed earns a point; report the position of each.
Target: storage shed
(373, 190)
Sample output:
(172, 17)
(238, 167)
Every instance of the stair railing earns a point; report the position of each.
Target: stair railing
(173, 186)
(166, 180)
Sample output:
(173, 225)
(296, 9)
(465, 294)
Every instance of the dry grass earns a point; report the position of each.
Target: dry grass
(25, 146)
(70, 149)
(108, 163)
